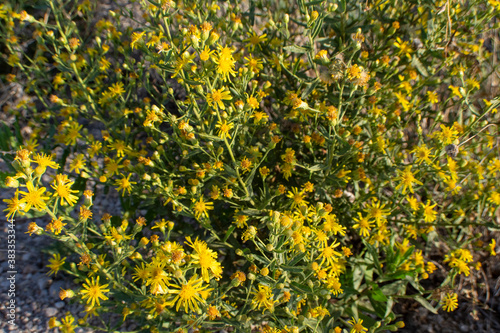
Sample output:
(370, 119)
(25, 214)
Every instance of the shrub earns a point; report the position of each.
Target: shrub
(281, 166)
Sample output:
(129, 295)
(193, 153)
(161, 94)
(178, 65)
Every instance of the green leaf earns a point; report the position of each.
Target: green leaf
(343, 6)
(374, 256)
(377, 294)
(300, 287)
(62, 161)
(296, 269)
(414, 283)
(419, 66)
(313, 3)
(426, 304)
(296, 259)
(251, 212)
(251, 14)
(388, 309)
(261, 259)
(210, 137)
(395, 288)
(229, 232)
(310, 87)
(317, 28)
(400, 259)
(378, 307)
(357, 276)
(193, 83)
(295, 49)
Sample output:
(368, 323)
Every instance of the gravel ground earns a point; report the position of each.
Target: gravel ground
(36, 293)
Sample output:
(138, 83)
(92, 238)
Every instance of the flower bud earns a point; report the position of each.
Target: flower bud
(143, 242)
(11, 182)
(235, 282)
(66, 294)
(214, 37)
(195, 40)
(310, 284)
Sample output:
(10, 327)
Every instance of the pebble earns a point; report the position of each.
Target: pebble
(55, 288)
(30, 269)
(4, 284)
(50, 312)
(42, 282)
(26, 256)
(59, 304)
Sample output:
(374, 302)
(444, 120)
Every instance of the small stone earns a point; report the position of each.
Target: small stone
(50, 312)
(42, 282)
(29, 269)
(59, 305)
(26, 256)
(55, 288)
(13, 328)
(5, 284)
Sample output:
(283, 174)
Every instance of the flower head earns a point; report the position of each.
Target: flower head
(125, 184)
(407, 179)
(14, 205)
(55, 264)
(225, 62)
(357, 326)
(201, 208)
(62, 187)
(94, 292)
(205, 258)
(450, 302)
(217, 97)
(263, 298)
(189, 294)
(224, 128)
(34, 197)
